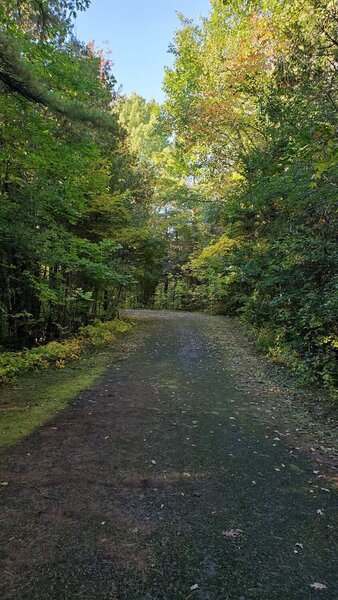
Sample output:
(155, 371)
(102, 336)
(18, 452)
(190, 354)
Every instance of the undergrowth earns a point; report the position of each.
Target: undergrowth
(58, 353)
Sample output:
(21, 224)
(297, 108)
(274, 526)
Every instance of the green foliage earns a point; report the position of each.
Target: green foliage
(175, 294)
(74, 200)
(18, 77)
(224, 199)
(56, 354)
(141, 120)
(259, 128)
(103, 333)
(172, 204)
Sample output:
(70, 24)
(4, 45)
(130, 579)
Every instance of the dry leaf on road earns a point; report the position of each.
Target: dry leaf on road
(318, 586)
(232, 533)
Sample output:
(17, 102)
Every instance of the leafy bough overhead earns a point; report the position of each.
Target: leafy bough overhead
(18, 77)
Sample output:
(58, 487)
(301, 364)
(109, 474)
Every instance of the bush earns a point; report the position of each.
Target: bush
(56, 354)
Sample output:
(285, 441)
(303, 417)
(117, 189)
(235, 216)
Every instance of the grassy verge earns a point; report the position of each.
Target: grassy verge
(33, 399)
(308, 415)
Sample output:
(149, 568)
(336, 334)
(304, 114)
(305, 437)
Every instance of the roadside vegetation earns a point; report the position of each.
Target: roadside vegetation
(65, 369)
(32, 400)
(57, 354)
(223, 199)
(252, 99)
(74, 209)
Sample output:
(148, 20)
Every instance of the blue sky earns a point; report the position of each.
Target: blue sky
(138, 34)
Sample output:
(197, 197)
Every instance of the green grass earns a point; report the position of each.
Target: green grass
(37, 397)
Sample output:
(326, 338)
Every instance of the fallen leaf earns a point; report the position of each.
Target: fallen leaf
(153, 462)
(232, 533)
(194, 587)
(318, 586)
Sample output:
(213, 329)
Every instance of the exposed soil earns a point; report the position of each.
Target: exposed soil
(163, 476)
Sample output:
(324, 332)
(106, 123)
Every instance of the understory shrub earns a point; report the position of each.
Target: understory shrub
(56, 354)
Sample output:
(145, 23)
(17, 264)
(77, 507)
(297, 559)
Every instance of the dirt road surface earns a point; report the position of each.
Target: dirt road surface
(162, 482)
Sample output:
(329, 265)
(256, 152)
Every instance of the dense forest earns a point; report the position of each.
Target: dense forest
(223, 199)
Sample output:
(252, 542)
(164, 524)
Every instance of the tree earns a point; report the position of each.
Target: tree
(71, 192)
(252, 101)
